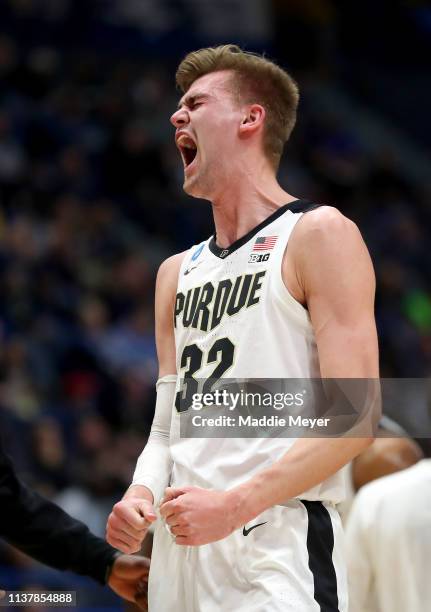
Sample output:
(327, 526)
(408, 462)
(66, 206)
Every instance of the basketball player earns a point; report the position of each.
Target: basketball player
(251, 522)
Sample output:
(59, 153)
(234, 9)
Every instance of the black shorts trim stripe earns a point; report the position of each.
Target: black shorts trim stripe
(320, 545)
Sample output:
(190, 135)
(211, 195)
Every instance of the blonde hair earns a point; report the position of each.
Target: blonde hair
(256, 80)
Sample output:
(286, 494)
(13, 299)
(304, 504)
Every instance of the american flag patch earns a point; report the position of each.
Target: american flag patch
(265, 243)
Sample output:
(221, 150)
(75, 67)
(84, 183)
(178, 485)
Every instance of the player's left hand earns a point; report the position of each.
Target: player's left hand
(129, 578)
(197, 516)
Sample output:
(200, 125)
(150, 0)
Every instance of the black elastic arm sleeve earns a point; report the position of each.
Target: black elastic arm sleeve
(44, 531)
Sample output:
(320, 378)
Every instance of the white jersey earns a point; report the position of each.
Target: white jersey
(234, 318)
(388, 543)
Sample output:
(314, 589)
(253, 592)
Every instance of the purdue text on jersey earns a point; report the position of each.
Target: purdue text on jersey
(204, 307)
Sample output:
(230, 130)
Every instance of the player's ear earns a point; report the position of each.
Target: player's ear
(252, 120)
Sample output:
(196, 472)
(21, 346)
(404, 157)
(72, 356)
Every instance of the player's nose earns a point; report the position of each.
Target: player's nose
(179, 118)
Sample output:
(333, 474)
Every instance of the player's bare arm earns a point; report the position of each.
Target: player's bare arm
(130, 518)
(326, 267)
(166, 289)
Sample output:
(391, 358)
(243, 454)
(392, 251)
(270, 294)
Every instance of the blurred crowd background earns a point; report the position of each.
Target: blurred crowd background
(91, 202)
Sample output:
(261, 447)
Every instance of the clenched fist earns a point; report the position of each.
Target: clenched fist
(197, 516)
(129, 520)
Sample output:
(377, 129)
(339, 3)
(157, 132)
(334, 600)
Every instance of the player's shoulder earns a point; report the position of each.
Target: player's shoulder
(325, 219)
(169, 269)
(172, 264)
(383, 489)
(325, 227)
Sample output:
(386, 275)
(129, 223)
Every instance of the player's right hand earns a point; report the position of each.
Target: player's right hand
(128, 524)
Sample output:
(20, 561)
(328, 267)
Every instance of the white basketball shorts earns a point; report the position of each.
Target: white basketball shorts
(289, 558)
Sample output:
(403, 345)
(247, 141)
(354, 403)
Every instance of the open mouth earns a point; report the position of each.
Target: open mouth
(188, 149)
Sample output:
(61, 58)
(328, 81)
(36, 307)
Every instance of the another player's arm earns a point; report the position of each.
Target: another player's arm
(130, 518)
(335, 279)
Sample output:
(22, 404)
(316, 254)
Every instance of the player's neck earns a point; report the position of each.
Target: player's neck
(245, 204)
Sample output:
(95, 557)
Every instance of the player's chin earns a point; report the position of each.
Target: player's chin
(191, 186)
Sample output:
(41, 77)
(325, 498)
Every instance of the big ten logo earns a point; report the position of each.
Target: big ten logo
(258, 257)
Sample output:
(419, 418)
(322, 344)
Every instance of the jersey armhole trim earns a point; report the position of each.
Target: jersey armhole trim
(283, 295)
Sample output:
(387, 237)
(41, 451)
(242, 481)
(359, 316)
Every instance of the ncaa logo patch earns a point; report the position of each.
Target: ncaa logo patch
(198, 252)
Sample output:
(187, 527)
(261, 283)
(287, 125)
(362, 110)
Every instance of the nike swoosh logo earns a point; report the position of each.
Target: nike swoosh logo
(245, 531)
(190, 270)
